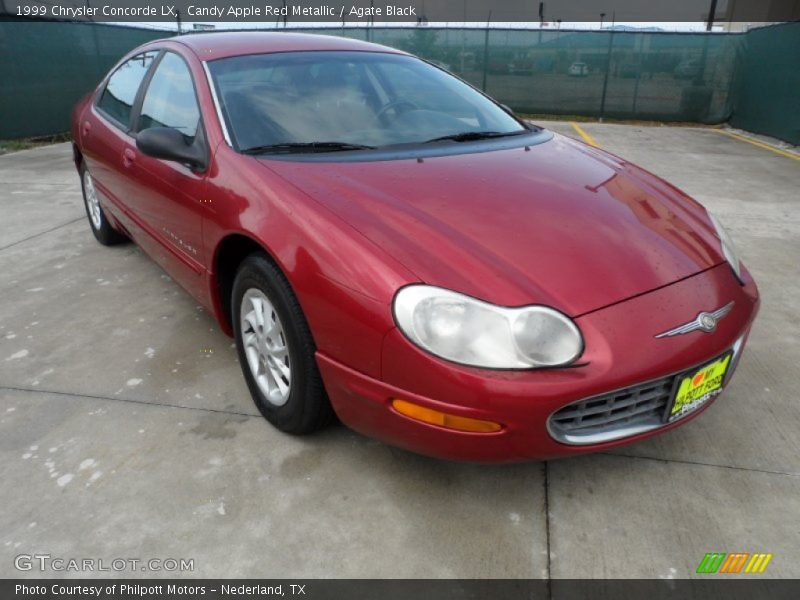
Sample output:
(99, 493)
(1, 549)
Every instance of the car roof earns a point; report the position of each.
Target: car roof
(211, 46)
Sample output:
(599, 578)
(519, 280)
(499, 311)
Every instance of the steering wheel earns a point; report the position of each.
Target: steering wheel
(395, 105)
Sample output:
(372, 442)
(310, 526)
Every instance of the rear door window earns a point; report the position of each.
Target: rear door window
(120, 92)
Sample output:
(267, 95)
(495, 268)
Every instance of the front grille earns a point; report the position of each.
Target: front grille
(612, 416)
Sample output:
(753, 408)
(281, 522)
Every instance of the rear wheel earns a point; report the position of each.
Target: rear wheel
(276, 349)
(101, 228)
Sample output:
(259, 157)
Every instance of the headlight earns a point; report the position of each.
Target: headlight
(471, 332)
(728, 248)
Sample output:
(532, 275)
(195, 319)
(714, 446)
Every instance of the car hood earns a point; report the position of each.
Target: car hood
(556, 223)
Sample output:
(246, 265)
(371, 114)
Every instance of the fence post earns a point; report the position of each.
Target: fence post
(485, 56)
(96, 58)
(605, 77)
(639, 67)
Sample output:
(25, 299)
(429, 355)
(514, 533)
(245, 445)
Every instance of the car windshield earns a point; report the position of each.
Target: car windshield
(334, 101)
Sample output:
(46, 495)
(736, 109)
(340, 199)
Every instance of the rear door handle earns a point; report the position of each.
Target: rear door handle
(87, 127)
(128, 156)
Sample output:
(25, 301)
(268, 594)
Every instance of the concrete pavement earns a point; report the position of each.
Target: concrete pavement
(126, 429)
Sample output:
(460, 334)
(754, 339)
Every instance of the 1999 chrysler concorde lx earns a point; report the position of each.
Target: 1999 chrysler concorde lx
(390, 246)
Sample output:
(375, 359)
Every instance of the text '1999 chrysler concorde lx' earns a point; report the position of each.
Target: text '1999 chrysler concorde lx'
(389, 245)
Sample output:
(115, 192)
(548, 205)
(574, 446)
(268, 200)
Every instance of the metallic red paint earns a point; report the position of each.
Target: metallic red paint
(510, 226)
(563, 224)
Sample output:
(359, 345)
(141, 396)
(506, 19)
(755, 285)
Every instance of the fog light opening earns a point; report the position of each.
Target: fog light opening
(435, 417)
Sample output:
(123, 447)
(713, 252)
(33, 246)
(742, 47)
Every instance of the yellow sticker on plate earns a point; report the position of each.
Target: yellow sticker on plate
(696, 389)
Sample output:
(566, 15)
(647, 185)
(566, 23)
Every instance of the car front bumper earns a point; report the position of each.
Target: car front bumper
(621, 351)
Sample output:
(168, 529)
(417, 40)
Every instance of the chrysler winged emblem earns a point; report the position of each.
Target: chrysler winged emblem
(705, 321)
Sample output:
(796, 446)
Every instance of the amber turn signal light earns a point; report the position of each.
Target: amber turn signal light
(434, 417)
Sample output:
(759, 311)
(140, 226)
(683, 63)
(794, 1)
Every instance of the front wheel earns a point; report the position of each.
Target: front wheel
(276, 349)
(101, 228)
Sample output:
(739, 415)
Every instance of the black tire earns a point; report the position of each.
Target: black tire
(307, 408)
(102, 229)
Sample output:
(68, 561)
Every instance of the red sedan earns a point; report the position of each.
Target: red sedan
(390, 246)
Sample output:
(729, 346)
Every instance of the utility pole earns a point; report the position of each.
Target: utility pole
(178, 19)
(608, 67)
(701, 73)
(464, 38)
(712, 11)
(486, 50)
(541, 23)
(97, 68)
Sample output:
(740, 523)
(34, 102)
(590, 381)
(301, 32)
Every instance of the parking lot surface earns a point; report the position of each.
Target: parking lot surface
(126, 429)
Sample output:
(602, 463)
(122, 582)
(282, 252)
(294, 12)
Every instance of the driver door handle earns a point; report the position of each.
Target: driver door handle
(128, 156)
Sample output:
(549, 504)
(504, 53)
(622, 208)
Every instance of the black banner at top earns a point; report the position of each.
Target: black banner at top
(547, 14)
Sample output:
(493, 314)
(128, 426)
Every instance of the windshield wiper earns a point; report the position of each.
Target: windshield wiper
(470, 136)
(304, 147)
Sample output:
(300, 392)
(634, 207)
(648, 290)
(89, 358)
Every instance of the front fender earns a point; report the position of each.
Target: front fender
(343, 281)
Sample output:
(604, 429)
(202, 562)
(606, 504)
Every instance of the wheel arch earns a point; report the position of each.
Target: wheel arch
(77, 156)
(229, 254)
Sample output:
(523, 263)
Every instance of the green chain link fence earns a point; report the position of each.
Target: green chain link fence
(768, 94)
(624, 75)
(46, 67)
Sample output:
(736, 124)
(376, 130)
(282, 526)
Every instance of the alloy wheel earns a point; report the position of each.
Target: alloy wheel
(266, 347)
(92, 202)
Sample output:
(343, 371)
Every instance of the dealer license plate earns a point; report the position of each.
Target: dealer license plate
(699, 387)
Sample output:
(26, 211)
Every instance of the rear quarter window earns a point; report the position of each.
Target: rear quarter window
(119, 94)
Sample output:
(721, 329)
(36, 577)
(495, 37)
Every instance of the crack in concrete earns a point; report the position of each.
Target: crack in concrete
(38, 183)
(128, 400)
(700, 464)
(41, 233)
(546, 479)
(546, 469)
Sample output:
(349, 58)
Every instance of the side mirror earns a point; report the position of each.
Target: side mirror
(170, 144)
